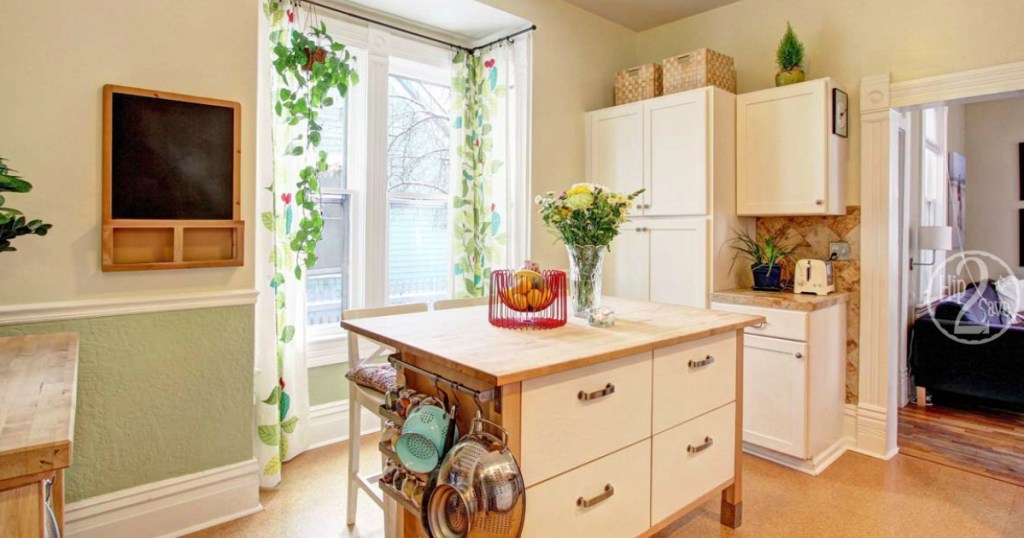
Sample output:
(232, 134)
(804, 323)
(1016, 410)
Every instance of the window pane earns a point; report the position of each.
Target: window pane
(334, 140)
(418, 137)
(327, 283)
(419, 255)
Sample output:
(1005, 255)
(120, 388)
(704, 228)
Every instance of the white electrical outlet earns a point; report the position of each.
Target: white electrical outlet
(839, 251)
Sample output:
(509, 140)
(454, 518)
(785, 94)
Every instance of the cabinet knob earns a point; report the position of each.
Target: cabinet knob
(798, 355)
(639, 206)
(819, 202)
(647, 206)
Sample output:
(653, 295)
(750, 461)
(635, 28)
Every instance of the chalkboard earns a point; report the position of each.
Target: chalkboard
(171, 159)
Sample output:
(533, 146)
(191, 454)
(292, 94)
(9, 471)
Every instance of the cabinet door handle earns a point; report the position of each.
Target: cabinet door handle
(639, 206)
(703, 362)
(759, 325)
(819, 202)
(585, 396)
(609, 490)
(798, 355)
(708, 441)
(647, 206)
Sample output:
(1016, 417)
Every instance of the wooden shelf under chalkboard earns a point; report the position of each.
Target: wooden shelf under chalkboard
(171, 181)
(133, 245)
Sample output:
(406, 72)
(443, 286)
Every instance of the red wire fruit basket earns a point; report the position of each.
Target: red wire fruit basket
(527, 299)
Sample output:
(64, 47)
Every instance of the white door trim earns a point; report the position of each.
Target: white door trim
(880, 319)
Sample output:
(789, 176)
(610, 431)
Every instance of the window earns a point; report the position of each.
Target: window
(387, 195)
(933, 189)
(418, 192)
(328, 284)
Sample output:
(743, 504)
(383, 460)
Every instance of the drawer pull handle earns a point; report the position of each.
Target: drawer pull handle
(708, 441)
(703, 362)
(759, 325)
(587, 396)
(604, 495)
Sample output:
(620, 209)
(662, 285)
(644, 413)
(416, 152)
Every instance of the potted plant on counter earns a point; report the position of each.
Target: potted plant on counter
(766, 254)
(790, 58)
(586, 218)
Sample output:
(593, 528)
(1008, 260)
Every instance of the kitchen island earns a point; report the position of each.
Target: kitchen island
(618, 431)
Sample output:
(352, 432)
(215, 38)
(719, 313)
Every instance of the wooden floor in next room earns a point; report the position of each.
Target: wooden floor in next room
(971, 437)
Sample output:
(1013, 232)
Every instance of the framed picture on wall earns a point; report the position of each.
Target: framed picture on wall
(1020, 165)
(1020, 237)
(840, 113)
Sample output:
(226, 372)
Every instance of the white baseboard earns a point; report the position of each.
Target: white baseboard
(813, 466)
(169, 508)
(872, 435)
(328, 423)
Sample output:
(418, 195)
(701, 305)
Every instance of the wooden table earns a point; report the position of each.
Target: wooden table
(676, 378)
(38, 378)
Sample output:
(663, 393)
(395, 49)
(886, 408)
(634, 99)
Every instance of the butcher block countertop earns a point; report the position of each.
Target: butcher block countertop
(785, 300)
(462, 339)
(37, 403)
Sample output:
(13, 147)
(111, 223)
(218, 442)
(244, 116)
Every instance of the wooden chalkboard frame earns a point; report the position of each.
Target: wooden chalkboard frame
(142, 245)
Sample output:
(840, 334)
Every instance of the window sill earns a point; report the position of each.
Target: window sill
(326, 350)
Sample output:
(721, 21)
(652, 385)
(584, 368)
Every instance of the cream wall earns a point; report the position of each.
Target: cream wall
(994, 129)
(55, 57)
(575, 57)
(848, 40)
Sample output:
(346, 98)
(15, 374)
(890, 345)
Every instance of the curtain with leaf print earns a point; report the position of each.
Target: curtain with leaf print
(282, 407)
(481, 129)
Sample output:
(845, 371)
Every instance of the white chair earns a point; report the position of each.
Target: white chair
(360, 397)
(448, 304)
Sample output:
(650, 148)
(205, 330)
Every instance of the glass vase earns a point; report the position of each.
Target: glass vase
(585, 262)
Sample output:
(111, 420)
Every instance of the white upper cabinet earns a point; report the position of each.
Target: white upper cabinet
(788, 160)
(615, 147)
(676, 154)
(660, 145)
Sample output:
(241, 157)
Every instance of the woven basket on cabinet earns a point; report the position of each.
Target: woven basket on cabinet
(702, 67)
(637, 83)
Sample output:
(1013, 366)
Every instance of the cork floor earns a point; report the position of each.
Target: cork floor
(857, 496)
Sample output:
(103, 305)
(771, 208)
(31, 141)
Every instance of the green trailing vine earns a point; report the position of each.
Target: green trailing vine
(314, 70)
(13, 223)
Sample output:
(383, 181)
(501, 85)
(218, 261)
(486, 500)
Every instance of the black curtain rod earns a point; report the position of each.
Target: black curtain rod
(419, 35)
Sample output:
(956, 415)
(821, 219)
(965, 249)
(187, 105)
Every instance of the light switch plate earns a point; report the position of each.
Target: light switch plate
(839, 251)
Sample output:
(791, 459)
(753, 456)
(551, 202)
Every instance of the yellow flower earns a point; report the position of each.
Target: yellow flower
(566, 212)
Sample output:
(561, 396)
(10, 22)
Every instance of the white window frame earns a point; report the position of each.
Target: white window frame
(933, 193)
(377, 50)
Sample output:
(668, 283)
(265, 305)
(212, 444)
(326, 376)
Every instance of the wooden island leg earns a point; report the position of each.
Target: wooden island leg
(732, 497)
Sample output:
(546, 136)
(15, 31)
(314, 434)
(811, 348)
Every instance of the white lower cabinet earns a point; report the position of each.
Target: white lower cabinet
(794, 388)
(692, 459)
(777, 378)
(660, 260)
(609, 497)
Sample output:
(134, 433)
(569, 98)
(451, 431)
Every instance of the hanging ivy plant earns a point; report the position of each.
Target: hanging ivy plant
(314, 70)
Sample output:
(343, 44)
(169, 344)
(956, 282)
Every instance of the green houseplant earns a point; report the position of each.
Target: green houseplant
(313, 71)
(586, 218)
(790, 57)
(766, 254)
(13, 223)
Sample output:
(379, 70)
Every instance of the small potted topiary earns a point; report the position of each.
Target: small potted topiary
(766, 254)
(790, 58)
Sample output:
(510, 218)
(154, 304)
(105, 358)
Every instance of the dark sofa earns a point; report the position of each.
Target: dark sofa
(992, 370)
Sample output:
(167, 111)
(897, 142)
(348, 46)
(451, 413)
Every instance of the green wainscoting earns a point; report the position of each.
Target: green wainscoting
(159, 395)
(327, 384)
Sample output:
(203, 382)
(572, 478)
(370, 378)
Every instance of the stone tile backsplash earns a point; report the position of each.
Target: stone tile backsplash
(811, 235)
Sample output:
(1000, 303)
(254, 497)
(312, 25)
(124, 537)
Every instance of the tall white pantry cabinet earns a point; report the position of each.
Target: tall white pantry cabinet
(680, 148)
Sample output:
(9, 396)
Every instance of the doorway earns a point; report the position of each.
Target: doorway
(961, 383)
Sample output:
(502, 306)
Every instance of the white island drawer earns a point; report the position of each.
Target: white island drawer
(618, 486)
(778, 323)
(693, 378)
(575, 417)
(690, 460)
